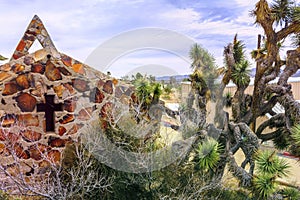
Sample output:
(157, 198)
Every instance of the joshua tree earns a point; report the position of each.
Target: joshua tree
(279, 21)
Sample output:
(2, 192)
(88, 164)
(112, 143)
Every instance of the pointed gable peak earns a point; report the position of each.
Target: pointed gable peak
(35, 31)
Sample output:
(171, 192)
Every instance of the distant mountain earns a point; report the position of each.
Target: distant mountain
(178, 78)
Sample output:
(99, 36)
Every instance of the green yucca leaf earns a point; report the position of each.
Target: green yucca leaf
(291, 194)
(295, 130)
(241, 73)
(282, 141)
(2, 58)
(267, 162)
(208, 154)
(264, 185)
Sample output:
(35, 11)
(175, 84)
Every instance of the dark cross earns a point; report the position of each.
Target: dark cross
(49, 108)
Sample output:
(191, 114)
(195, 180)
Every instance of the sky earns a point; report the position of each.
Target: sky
(123, 36)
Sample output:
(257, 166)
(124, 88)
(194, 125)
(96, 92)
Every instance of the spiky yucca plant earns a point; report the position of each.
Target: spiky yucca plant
(269, 167)
(264, 185)
(241, 73)
(290, 193)
(269, 163)
(208, 154)
(295, 130)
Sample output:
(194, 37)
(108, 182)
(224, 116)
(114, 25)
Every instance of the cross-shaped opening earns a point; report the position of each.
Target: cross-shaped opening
(49, 108)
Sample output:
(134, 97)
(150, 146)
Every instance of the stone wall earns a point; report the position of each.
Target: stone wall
(46, 98)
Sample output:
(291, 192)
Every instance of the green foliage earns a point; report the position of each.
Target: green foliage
(241, 74)
(241, 71)
(282, 142)
(295, 130)
(227, 99)
(143, 90)
(282, 11)
(290, 194)
(238, 50)
(3, 195)
(264, 185)
(201, 58)
(198, 82)
(208, 154)
(269, 167)
(167, 89)
(269, 163)
(203, 63)
(2, 58)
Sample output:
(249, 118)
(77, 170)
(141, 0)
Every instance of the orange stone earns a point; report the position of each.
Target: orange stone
(108, 87)
(28, 120)
(20, 152)
(4, 75)
(31, 136)
(56, 142)
(100, 83)
(64, 71)
(37, 150)
(80, 85)
(74, 129)
(8, 120)
(8, 136)
(18, 55)
(78, 68)
(21, 45)
(115, 81)
(61, 130)
(67, 119)
(52, 73)
(10, 88)
(85, 113)
(6, 67)
(54, 156)
(96, 96)
(66, 60)
(70, 105)
(22, 81)
(70, 88)
(40, 54)
(2, 148)
(44, 165)
(59, 90)
(26, 102)
(17, 68)
(37, 68)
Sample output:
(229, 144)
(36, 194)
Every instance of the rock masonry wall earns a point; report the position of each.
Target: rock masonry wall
(82, 94)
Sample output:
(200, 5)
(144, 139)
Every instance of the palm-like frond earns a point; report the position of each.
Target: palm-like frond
(282, 142)
(291, 193)
(241, 73)
(295, 130)
(282, 11)
(261, 11)
(156, 91)
(2, 58)
(264, 185)
(238, 50)
(296, 14)
(227, 99)
(268, 163)
(208, 154)
(143, 90)
(201, 58)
